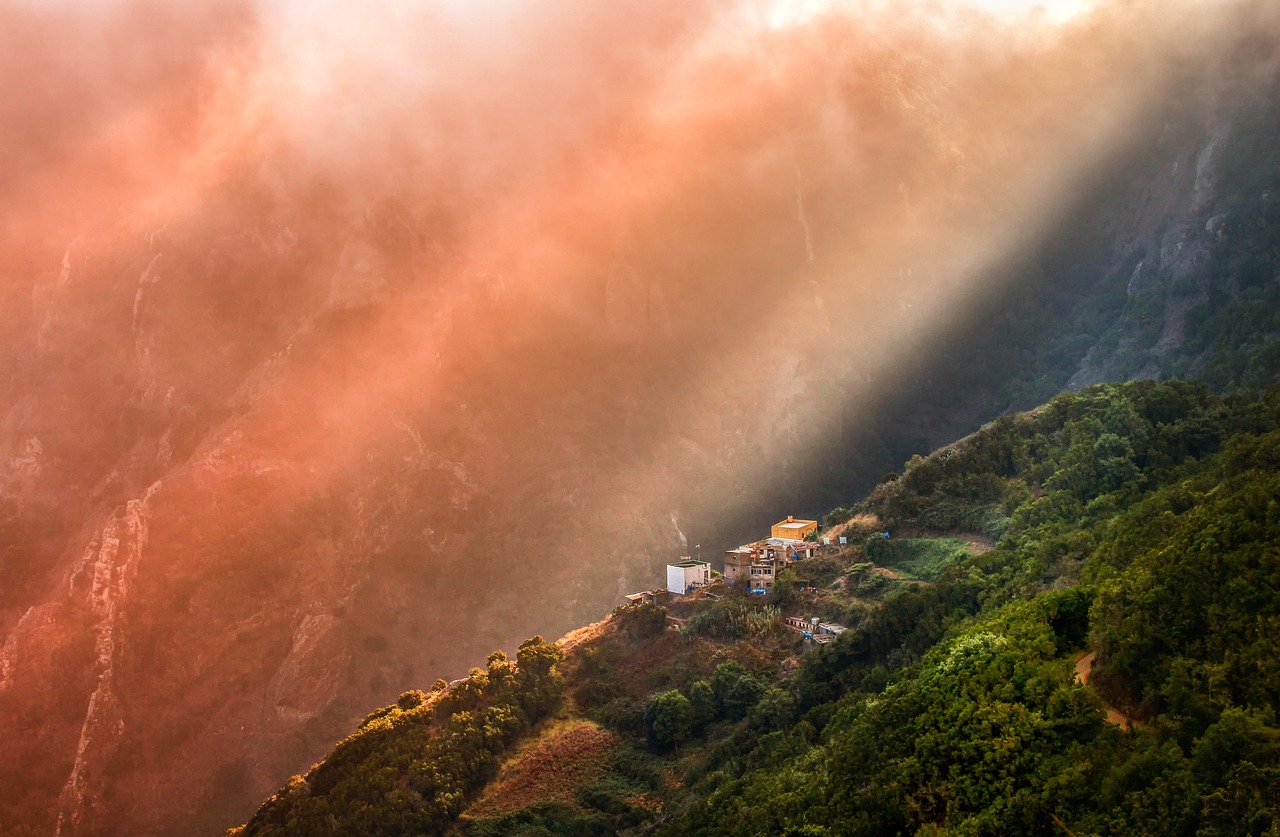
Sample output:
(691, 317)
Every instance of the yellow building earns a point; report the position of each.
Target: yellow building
(794, 530)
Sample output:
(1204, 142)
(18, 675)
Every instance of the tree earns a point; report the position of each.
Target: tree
(784, 590)
(540, 685)
(776, 710)
(703, 700)
(736, 690)
(669, 719)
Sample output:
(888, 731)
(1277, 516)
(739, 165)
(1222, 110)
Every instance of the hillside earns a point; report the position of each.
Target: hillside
(1136, 534)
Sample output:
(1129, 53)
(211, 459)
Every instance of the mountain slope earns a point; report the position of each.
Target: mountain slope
(1135, 522)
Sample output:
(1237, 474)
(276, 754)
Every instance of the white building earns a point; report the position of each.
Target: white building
(688, 575)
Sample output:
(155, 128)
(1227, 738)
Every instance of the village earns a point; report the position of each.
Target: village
(757, 568)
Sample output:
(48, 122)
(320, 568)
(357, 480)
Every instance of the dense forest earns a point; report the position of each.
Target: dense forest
(1073, 627)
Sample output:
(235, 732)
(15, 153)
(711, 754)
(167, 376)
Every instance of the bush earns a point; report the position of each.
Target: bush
(641, 621)
(411, 699)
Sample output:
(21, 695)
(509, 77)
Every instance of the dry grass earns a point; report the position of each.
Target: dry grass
(587, 633)
(858, 526)
(977, 544)
(550, 768)
(648, 800)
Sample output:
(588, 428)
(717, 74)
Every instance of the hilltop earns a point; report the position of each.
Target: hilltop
(1078, 636)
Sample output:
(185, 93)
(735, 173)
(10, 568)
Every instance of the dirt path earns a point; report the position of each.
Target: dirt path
(1084, 669)
(897, 576)
(978, 544)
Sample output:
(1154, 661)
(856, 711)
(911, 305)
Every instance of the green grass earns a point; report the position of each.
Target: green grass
(923, 559)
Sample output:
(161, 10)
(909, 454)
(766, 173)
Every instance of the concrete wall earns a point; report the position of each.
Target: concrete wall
(681, 578)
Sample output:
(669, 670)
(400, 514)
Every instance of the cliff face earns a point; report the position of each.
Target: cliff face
(264, 472)
(212, 574)
(302, 410)
(1192, 244)
(1164, 266)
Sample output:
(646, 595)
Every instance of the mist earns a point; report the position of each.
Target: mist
(341, 346)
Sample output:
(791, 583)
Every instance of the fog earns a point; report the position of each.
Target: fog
(340, 345)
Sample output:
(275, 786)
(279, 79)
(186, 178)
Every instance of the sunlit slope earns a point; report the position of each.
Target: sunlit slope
(1136, 540)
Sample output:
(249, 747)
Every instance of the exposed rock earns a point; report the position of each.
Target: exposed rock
(1217, 226)
(110, 564)
(1207, 163)
(307, 681)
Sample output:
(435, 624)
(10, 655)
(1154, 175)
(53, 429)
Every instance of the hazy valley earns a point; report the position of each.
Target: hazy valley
(338, 351)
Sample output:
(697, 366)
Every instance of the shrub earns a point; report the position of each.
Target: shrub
(641, 621)
(411, 699)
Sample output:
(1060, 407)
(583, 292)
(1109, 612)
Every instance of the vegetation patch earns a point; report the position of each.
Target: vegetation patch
(923, 559)
(410, 768)
(552, 768)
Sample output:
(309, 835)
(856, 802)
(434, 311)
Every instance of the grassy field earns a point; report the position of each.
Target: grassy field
(923, 559)
(551, 768)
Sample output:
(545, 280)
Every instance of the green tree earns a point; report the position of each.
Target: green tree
(775, 711)
(669, 718)
(703, 701)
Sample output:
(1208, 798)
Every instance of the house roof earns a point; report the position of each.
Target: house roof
(797, 524)
(687, 564)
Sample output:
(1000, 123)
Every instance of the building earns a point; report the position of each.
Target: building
(762, 577)
(737, 562)
(805, 625)
(794, 550)
(688, 575)
(794, 530)
(759, 563)
(814, 629)
(660, 596)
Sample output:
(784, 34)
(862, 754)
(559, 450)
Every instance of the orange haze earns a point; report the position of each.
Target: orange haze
(341, 344)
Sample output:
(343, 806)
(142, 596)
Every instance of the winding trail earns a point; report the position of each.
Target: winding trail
(1084, 669)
